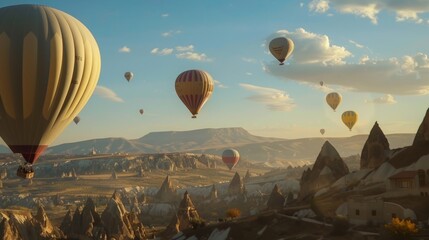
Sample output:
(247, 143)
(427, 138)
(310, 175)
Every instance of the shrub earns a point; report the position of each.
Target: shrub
(400, 229)
(233, 213)
(197, 222)
(340, 226)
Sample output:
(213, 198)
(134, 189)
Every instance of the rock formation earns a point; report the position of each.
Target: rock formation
(408, 155)
(422, 135)
(118, 222)
(173, 228)
(329, 167)
(167, 193)
(236, 187)
(114, 176)
(67, 223)
(3, 173)
(247, 176)
(213, 194)
(276, 200)
(1, 184)
(376, 149)
(18, 224)
(186, 213)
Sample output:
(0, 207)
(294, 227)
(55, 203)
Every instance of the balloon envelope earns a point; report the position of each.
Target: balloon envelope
(76, 119)
(230, 157)
(322, 131)
(194, 88)
(281, 48)
(321, 83)
(141, 111)
(50, 68)
(333, 99)
(349, 118)
(128, 76)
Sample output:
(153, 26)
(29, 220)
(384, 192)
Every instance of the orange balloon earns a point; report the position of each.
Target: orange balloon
(194, 88)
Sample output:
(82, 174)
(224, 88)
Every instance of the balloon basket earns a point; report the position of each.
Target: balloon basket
(194, 116)
(25, 171)
(281, 64)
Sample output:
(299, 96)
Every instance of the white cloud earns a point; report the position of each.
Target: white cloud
(249, 60)
(219, 84)
(165, 15)
(319, 6)
(249, 73)
(315, 59)
(274, 99)
(409, 10)
(405, 76)
(194, 56)
(301, 4)
(108, 94)
(188, 48)
(124, 49)
(356, 44)
(170, 33)
(162, 52)
(385, 99)
(313, 48)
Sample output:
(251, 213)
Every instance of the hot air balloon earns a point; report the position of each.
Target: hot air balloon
(230, 157)
(141, 111)
(50, 68)
(128, 76)
(194, 88)
(76, 120)
(281, 48)
(349, 118)
(322, 131)
(333, 99)
(321, 83)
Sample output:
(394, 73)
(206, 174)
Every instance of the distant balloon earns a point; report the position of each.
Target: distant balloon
(321, 83)
(50, 68)
(230, 157)
(281, 48)
(76, 119)
(194, 88)
(128, 76)
(333, 99)
(349, 118)
(141, 111)
(322, 131)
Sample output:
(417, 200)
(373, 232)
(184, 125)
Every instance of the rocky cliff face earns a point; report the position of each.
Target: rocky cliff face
(329, 167)
(182, 220)
(167, 193)
(120, 224)
(376, 149)
(276, 200)
(213, 194)
(236, 187)
(411, 154)
(422, 135)
(23, 225)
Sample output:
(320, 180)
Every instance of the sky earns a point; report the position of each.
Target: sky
(374, 53)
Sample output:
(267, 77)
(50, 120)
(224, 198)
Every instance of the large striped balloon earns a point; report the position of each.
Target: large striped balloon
(230, 157)
(333, 99)
(194, 88)
(50, 64)
(349, 118)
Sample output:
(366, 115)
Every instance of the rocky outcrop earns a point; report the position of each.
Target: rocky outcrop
(329, 167)
(422, 135)
(213, 194)
(173, 228)
(408, 155)
(186, 212)
(167, 193)
(236, 187)
(3, 173)
(247, 176)
(114, 175)
(118, 223)
(276, 200)
(16, 224)
(1, 184)
(376, 149)
(67, 223)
